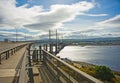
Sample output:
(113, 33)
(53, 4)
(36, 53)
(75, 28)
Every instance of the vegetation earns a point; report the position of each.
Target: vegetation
(102, 72)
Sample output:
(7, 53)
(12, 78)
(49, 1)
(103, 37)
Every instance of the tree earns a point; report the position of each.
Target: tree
(104, 73)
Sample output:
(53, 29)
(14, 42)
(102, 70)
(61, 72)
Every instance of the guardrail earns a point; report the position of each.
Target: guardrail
(5, 54)
(65, 72)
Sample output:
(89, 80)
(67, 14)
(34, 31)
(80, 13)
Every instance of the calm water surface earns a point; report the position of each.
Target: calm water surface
(100, 55)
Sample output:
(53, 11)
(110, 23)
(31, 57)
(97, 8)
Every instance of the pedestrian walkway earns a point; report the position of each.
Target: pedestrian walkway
(10, 67)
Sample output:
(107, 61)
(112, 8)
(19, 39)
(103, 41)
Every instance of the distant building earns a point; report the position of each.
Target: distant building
(6, 40)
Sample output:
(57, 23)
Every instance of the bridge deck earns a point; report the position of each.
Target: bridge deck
(9, 67)
(6, 46)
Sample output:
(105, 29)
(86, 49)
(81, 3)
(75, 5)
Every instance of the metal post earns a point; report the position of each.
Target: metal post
(37, 54)
(16, 33)
(0, 58)
(43, 57)
(46, 47)
(11, 51)
(25, 36)
(50, 46)
(40, 54)
(14, 50)
(6, 55)
(56, 45)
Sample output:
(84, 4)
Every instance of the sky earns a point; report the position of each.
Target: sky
(74, 19)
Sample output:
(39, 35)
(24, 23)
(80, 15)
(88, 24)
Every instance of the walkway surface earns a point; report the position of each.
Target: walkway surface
(9, 67)
(5, 46)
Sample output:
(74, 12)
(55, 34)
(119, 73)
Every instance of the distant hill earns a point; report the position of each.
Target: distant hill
(94, 40)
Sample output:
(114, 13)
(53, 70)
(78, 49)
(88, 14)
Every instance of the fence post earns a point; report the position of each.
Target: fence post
(0, 58)
(37, 55)
(11, 51)
(40, 54)
(50, 48)
(46, 47)
(56, 48)
(6, 55)
(44, 57)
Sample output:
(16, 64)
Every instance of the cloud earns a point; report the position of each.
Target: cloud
(12, 16)
(40, 20)
(112, 22)
(58, 15)
(95, 15)
(36, 18)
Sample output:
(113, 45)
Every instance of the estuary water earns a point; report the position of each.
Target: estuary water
(99, 55)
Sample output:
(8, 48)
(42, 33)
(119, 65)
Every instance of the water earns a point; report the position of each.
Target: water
(100, 55)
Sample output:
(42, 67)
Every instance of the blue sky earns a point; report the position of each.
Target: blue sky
(77, 19)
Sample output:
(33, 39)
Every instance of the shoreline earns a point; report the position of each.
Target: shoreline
(85, 64)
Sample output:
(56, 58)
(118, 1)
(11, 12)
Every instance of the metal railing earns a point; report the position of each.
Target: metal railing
(5, 54)
(65, 72)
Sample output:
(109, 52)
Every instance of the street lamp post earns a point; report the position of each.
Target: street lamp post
(16, 33)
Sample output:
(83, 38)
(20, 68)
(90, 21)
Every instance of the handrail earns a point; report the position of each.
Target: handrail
(10, 50)
(87, 78)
